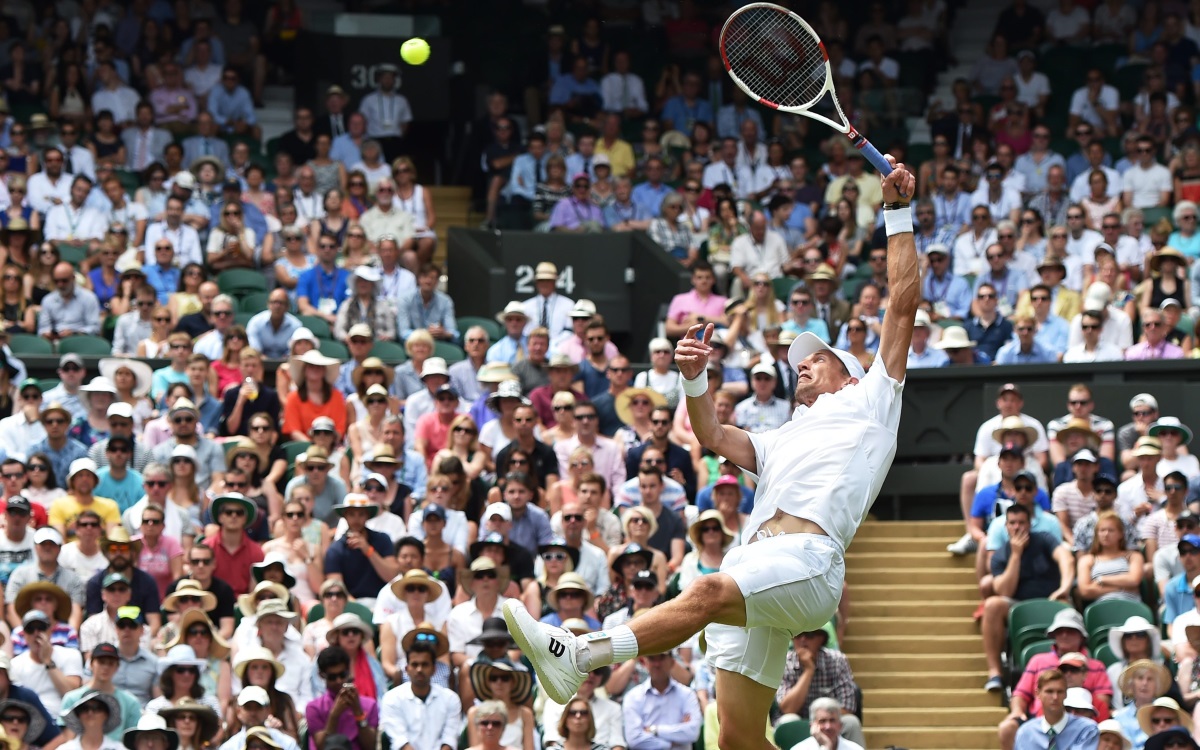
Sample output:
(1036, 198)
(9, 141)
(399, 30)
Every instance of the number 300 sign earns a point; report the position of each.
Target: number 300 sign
(524, 282)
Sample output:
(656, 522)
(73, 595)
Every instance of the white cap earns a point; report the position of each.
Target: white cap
(763, 368)
(1098, 296)
(1143, 399)
(659, 343)
(583, 308)
(184, 451)
(1084, 455)
(360, 329)
(434, 366)
(253, 694)
(120, 409)
(498, 509)
(1078, 697)
(185, 180)
(922, 320)
(47, 534)
(807, 343)
(303, 334)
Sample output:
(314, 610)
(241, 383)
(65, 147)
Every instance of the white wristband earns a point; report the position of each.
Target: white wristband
(898, 221)
(698, 387)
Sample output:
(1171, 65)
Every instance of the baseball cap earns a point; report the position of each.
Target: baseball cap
(1084, 455)
(185, 180)
(763, 368)
(70, 359)
(303, 334)
(1104, 479)
(120, 409)
(105, 651)
(1143, 399)
(433, 510)
(1009, 388)
(231, 184)
(498, 509)
(112, 578)
(20, 504)
(361, 330)
(1027, 475)
(34, 615)
(253, 694)
(1012, 449)
(809, 343)
(1098, 296)
(725, 479)
(645, 575)
(47, 534)
(1075, 658)
(130, 612)
(322, 424)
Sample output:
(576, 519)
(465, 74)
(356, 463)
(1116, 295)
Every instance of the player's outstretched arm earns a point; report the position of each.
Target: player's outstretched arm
(691, 357)
(904, 279)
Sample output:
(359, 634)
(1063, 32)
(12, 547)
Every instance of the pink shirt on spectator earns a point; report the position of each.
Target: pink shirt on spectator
(1164, 350)
(1096, 682)
(157, 562)
(690, 302)
(434, 431)
(576, 349)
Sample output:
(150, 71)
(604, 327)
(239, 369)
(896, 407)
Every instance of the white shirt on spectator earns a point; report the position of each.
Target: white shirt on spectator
(740, 178)
(1084, 245)
(43, 192)
(1129, 251)
(185, 240)
(1141, 102)
(1030, 92)
(887, 67)
(1147, 185)
(1081, 188)
(622, 91)
(28, 673)
(811, 744)
(766, 257)
(121, 101)
(1061, 25)
(1081, 104)
(1102, 353)
(65, 222)
(387, 113)
(428, 723)
(202, 80)
(969, 250)
(1117, 330)
(1010, 199)
(466, 622)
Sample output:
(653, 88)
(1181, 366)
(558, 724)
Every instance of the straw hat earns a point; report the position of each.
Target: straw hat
(1164, 253)
(1143, 714)
(712, 514)
(189, 587)
(1125, 681)
(256, 653)
(954, 337)
(1015, 424)
(1113, 727)
(479, 565)
(512, 309)
(219, 648)
(416, 577)
(427, 633)
(23, 602)
(142, 373)
(825, 272)
(242, 446)
(372, 363)
(382, 453)
(570, 582)
(210, 723)
(348, 621)
(482, 670)
(248, 602)
(1081, 426)
(625, 414)
(642, 511)
(315, 358)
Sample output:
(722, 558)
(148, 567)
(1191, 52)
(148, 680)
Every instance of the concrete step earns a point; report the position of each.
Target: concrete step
(946, 716)
(891, 592)
(948, 608)
(932, 738)
(900, 544)
(947, 576)
(873, 679)
(910, 644)
(876, 661)
(918, 626)
(892, 560)
(944, 695)
(951, 530)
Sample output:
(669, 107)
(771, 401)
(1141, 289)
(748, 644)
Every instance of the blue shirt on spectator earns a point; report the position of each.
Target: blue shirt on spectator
(989, 338)
(682, 115)
(526, 173)
(1008, 288)
(1053, 335)
(650, 197)
(317, 284)
(1177, 598)
(345, 150)
(164, 279)
(272, 342)
(506, 350)
(951, 289)
(125, 492)
(991, 502)
(227, 108)
(60, 460)
(1064, 472)
(356, 570)
(1078, 732)
(929, 358)
(567, 87)
(218, 51)
(531, 528)
(1011, 354)
(414, 313)
(616, 213)
(704, 500)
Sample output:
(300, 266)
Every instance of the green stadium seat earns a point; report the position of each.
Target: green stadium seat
(783, 287)
(28, 343)
(331, 348)
(89, 345)
(319, 326)
(131, 181)
(253, 302)
(390, 352)
(73, 254)
(242, 318)
(1104, 654)
(1105, 58)
(791, 733)
(109, 328)
(1157, 214)
(1101, 617)
(238, 281)
(318, 611)
(47, 384)
(1027, 621)
(494, 330)
(293, 448)
(450, 352)
(1030, 651)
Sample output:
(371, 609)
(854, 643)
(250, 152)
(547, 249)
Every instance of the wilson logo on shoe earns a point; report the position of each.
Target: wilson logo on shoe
(557, 648)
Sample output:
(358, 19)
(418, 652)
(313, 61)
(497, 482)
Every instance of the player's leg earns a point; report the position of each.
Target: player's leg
(742, 709)
(707, 599)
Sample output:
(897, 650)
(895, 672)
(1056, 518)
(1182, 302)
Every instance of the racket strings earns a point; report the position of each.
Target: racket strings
(776, 56)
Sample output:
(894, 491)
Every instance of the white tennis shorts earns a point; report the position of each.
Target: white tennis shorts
(792, 584)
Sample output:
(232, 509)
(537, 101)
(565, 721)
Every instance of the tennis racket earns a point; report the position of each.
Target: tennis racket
(779, 61)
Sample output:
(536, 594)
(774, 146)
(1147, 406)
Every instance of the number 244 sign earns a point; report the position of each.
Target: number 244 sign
(524, 280)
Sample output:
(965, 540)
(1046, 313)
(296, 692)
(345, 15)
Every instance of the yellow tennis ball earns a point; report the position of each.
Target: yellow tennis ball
(415, 51)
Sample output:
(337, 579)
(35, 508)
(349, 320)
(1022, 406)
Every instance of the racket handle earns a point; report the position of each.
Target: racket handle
(872, 155)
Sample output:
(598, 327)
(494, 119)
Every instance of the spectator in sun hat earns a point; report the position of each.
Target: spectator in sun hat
(1172, 738)
(314, 469)
(25, 721)
(233, 549)
(122, 552)
(91, 726)
(362, 558)
(485, 582)
(1172, 434)
(52, 601)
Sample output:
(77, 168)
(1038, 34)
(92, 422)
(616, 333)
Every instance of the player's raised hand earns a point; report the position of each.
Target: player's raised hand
(691, 353)
(900, 185)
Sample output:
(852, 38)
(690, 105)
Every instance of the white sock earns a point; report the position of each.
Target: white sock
(606, 647)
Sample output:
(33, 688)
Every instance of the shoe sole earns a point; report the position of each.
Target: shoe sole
(526, 648)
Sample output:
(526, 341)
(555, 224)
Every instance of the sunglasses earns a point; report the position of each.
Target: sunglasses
(295, 514)
(573, 517)
(490, 723)
(553, 556)
(334, 595)
(487, 575)
(233, 511)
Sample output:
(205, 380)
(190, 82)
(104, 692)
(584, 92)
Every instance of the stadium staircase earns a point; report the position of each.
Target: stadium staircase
(453, 206)
(914, 649)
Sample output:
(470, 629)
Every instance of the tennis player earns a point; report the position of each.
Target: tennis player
(818, 476)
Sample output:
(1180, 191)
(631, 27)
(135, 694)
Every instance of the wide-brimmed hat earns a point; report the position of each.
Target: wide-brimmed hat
(570, 582)
(625, 414)
(512, 309)
(494, 629)
(180, 656)
(141, 372)
(824, 272)
(249, 603)
(190, 588)
(210, 723)
(954, 337)
(275, 558)
(98, 384)
(1163, 677)
(633, 549)
(1052, 261)
(70, 716)
(315, 358)
(416, 577)
(262, 734)
(479, 565)
(1163, 423)
(235, 498)
(356, 501)
(642, 511)
(482, 670)
(1113, 727)
(219, 648)
(495, 372)
(1015, 424)
(1159, 741)
(348, 621)
(1143, 714)
(256, 653)
(372, 363)
(1066, 619)
(119, 535)
(1135, 624)
(425, 632)
(80, 465)
(1147, 446)
(55, 406)
(1082, 427)
(506, 389)
(559, 543)
(1164, 253)
(712, 514)
(23, 602)
(382, 453)
(37, 722)
(241, 446)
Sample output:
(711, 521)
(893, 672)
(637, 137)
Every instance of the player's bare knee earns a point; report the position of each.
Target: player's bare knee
(718, 594)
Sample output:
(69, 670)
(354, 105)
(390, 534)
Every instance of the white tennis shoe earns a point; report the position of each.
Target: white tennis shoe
(550, 649)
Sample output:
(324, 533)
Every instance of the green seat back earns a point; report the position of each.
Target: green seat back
(253, 302)
(28, 343)
(335, 349)
(494, 330)
(791, 733)
(238, 281)
(319, 326)
(1030, 651)
(783, 287)
(84, 344)
(450, 352)
(389, 351)
(47, 384)
(1101, 617)
(1028, 621)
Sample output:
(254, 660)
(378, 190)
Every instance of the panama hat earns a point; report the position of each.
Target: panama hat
(426, 633)
(70, 716)
(825, 272)
(416, 577)
(256, 653)
(954, 337)
(512, 309)
(1113, 727)
(481, 672)
(712, 514)
(570, 582)
(625, 414)
(315, 358)
(259, 569)
(142, 373)
(545, 271)
(55, 406)
(382, 453)
(188, 587)
(263, 735)
(23, 602)
(1082, 427)
(119, 535)
(372, 363)
(241, 446)
(1163, 423)
(348, 621)
(219, 648)
(1125, 681)
(1015, 424)
(249, 603)
(479, 565)
(356, 501)
(1143, 714)
(210, 723)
